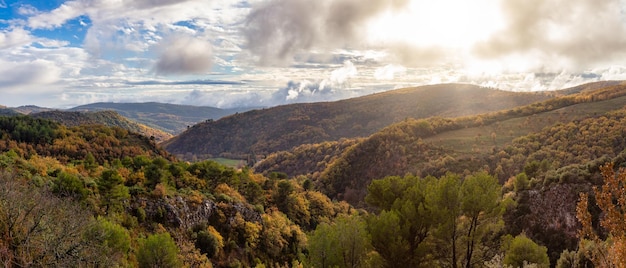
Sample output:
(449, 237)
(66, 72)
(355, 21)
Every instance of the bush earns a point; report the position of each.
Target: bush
(158, 250)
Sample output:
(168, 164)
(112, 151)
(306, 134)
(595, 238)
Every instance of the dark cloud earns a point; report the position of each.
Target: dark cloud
(154, 3)
(279, 29)
(580, 32)
(185, 55)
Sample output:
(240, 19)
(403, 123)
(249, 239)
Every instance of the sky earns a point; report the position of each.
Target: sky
(260, 53)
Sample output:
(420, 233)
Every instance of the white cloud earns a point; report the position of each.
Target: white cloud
(389, 71)
(28, 75)
(342, 75)
(14, 37)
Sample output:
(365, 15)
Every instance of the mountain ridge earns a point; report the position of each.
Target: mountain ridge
(283, 127)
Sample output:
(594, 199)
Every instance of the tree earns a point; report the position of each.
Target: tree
(322, 247)
(611, 199)
(482, 210)
(463, 212)
(112, 190)
(444, 200)
(342, 244)
(522, 250)
(113, 240)
(158, 250)
(39, 229)
(399, 231)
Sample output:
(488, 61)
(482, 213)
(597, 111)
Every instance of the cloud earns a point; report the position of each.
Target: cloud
(559, 34)
(342, 75)
(14, 37)
(3, 4)
(184, 55)
(28, 74)
(388, 72)
(58, 16)
(414, 56)
(279, 29)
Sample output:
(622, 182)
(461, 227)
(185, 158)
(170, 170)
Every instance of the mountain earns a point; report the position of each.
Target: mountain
(107, 118)
(171, 118)
(28, 109)
(283, 127)
(544, 154)
(8, 111)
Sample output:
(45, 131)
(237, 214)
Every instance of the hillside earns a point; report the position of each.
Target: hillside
(171, 118)
(545, 154)
(281, 128)
(107, 118)
(96, 196)
(30, 136)
(495, 184)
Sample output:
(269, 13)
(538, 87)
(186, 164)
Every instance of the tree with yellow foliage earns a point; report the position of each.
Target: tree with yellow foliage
(611, 199)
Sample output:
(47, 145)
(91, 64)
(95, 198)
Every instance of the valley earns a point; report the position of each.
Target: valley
(412, 174)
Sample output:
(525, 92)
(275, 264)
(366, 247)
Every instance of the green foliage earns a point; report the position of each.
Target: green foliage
(207, 243)
(522, 250)
(456, 217)
(158, 250)
(113, 191)
(69, 185)
(29, 130)
(114, 240)
(399, 231)
(342, 244)
(521, 182)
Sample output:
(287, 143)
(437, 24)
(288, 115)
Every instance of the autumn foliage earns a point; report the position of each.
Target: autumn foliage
(611, 199)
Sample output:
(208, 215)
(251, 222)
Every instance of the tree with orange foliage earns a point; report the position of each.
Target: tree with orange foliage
(611, 199)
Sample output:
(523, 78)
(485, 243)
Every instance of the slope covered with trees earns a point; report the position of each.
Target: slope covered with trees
(114, 198)
(434, 146)
(281, 128)
(544, 154)
(107, 118)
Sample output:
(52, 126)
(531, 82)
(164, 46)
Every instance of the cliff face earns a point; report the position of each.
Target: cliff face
(548, 216)
(179, 213)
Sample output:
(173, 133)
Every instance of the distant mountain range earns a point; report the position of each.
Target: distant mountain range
(171, 118)
(152, 119)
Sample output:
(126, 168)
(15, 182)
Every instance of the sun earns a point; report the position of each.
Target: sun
(456, 24)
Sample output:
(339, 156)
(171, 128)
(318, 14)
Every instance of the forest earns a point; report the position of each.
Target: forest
(541, 186)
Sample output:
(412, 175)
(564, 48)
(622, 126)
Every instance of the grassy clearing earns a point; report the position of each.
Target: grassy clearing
(234, 163)
(484, 138)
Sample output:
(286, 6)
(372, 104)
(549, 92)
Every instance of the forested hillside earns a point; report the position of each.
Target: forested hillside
(533, 185)
(107, 118)
(544, 154)
(113, 198)
(281, 128)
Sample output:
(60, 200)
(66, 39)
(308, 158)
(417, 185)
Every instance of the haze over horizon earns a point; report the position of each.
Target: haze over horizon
(233, 53)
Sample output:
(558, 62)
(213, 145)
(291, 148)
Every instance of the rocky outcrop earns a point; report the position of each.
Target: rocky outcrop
(179, 213)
